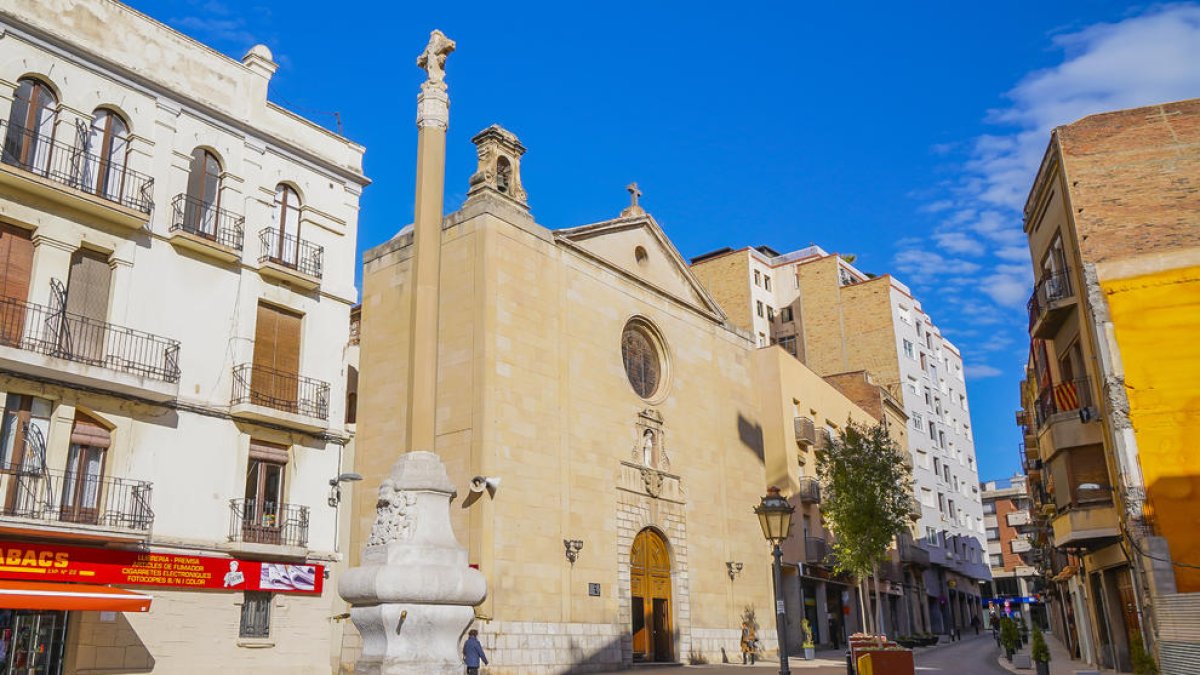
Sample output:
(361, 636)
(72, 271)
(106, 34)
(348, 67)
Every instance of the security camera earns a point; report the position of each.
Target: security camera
(481, 483)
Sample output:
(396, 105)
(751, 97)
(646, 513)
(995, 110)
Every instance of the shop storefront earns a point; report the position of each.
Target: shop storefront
(42, 586)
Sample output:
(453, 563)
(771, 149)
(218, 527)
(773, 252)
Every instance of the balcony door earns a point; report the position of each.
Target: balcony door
(287, 225)
(27, 142)
(263, 513)
(87, 306)
(23, 432)
(274, 380)
(107, 149)
(83, 481)
(16, 263)
(203, 194)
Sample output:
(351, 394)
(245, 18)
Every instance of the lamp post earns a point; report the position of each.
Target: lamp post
(775, 516)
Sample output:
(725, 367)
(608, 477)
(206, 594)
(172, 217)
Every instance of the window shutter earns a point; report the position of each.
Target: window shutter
(268, 452)
(88, 285)
(16, 262)
(87, 432)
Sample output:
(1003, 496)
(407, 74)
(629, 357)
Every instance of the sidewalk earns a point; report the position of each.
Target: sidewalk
(1060, 660)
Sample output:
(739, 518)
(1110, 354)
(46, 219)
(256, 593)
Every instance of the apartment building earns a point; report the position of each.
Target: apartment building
(176, 278)
(1110, 388)
(837, 319)
(1009, 523)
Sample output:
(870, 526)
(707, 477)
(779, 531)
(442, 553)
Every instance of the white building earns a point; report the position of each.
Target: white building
(177, 259)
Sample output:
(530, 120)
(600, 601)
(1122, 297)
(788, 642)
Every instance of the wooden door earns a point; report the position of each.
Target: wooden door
(650, 588)
(274, 381)
(1128, 605)
(16, 264)
(87, 306)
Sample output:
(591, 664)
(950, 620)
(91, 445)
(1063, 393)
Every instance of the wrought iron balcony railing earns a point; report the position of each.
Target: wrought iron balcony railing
(1065, 397)
(1050, 289)
(76, 168)
(199, 218)
(806, 432)
(287, 392)
(815, 550)
(261, 522)
(74, 497)
(291, 252)
(809, 491)
(35, 328)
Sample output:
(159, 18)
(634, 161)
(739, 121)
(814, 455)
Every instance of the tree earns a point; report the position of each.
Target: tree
(865, 497)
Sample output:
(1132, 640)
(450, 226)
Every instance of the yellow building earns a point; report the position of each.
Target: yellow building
(1111, 394)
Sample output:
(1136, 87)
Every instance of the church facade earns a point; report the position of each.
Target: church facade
(605, 425)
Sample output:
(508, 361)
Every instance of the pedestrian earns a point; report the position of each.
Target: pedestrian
(749, 644)
(975, 623)
(473, 652)
(835, 632)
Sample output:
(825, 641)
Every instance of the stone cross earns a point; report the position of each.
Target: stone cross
(433, 59)
(634, 193)
(633, 209)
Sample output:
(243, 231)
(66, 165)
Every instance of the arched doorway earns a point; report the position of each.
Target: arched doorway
(650, 586)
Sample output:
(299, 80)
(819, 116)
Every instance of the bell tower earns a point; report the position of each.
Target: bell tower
(499, 169)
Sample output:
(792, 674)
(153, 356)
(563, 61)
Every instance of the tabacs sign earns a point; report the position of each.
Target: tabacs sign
(35, 562)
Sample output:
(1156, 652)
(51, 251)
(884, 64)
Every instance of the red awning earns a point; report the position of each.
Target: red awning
(37, 595)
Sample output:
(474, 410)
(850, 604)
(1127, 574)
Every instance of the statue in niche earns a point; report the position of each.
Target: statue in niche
(648, 447)
(394, 515)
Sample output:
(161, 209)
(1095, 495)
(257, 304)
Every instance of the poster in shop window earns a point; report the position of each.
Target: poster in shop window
(37, 562)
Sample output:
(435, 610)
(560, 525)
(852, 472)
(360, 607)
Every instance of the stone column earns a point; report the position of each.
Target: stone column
(823, 611)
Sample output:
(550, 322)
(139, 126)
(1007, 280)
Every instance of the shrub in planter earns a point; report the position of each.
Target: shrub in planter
(1010, 637)
(806, 631)
(1040, 652)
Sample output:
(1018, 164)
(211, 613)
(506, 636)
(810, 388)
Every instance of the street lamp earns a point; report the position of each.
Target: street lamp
(775, 516)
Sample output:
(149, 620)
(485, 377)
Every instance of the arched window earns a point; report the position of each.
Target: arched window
(107, 149)
(287, 225)
(31, 119)
(203, 193)
(503, 174)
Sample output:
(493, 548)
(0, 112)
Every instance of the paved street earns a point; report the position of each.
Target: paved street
(974, 655)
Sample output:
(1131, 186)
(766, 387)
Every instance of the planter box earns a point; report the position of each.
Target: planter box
(892, 662)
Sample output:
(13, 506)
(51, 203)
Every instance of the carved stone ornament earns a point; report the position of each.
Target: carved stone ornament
(395, 517)
(433, 59)
(653, 480)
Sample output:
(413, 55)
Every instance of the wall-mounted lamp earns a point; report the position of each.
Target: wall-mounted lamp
(489, 483)
(733, 569)
(335, 487)
(573, 547)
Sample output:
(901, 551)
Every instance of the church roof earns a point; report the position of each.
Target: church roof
(635, 246)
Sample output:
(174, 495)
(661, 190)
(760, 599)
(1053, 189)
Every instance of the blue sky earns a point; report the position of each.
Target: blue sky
(907, 135)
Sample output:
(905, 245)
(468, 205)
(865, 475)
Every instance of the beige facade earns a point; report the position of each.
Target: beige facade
(839, 321)
(153, 212)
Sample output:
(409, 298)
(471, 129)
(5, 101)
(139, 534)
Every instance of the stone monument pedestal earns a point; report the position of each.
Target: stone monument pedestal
(413, 596)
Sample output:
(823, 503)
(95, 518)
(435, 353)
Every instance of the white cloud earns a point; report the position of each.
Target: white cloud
(981, 371)
(1143, 59)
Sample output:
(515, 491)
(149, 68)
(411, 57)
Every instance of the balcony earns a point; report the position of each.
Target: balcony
(1066, 411)
(44, 167)
(268, 528)
(809, 491)
(1083, 523)
(268, 395)
(815, 551)
(1017, 518)
(1049, 304)
(70, 505)
(290, 259)
(806, 432)
(912, 553)
(205, 229)
(39, 341)
(1020, 545)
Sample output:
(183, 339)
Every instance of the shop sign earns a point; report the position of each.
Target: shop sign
(36, 562)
